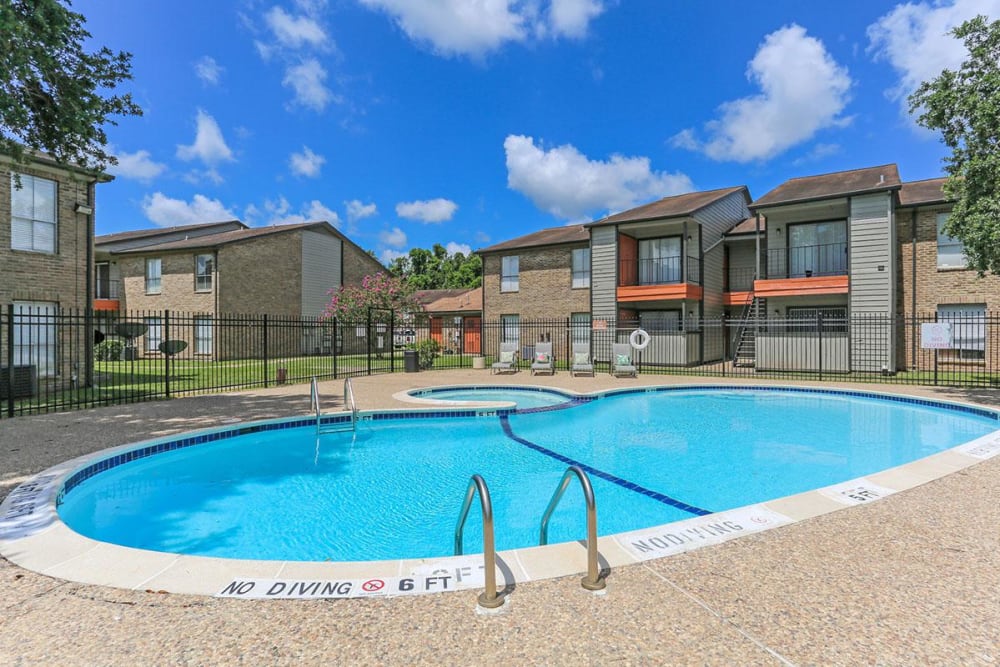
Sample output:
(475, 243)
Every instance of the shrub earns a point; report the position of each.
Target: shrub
(427, 352)
(109, 350)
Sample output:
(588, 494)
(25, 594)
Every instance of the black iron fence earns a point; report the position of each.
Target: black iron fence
(54, 360)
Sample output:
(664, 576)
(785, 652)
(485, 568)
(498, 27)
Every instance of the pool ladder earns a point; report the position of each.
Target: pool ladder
(349, 403)
(490, 598)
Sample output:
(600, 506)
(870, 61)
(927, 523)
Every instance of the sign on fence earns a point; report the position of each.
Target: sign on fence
(936, 335)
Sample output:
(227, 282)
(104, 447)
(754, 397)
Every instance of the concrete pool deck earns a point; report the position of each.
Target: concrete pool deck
(911, 579)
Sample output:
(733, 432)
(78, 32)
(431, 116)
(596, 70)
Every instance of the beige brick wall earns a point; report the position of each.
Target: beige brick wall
(262, 275)
(177, 287)
(545, 290)
(34, 276)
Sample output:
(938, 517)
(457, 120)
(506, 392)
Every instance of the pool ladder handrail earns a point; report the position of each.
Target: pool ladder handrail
(593, 580)
(348, 402)
(489, 598)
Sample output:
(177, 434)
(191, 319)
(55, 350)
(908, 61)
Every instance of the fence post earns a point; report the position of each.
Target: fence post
(166, 355)
(724, 341)
(333, 346)
(10, 359)
(819, 327)
(265, 350)
(368, 340)
(391, 341)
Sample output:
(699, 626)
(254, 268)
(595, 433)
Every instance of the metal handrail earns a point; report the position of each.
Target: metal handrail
(593, 581)
(490, 598)
(314, 400)
(349, 391)
(349, 403)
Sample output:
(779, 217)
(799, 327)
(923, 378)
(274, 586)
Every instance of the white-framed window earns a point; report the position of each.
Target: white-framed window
(510, 329)
(579, 324)
(154, 268)
(510, 273)
(950, 251)
(817, 249)
(204, 265)
(154, 333)
(36, 336)
(33, 214)
(581, 267)
(968, 330)
(203, 335)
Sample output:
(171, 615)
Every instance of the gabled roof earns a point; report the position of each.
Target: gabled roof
(201, 228)
(672, 207)
(830, 186)
(225, 238)
(550, 236)
(921, 193)
(747, 226)
(451, 300)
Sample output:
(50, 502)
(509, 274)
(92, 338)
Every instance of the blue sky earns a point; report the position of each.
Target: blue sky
(468, 122)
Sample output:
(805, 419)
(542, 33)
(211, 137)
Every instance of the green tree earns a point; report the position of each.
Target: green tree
(965, 106)
(378, 294)
(436, 269)
(53, 92)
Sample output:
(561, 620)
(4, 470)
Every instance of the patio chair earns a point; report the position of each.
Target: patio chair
(621, 360)
(543, 362)
(507, 360)
(581, 359)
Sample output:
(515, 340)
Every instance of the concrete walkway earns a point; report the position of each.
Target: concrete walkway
(913, 579)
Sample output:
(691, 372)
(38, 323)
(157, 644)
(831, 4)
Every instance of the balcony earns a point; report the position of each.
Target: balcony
(660, 278)
(107, 294)
(805, 271)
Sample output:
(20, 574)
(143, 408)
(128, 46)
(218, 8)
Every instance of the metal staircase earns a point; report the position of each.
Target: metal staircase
(745, 352)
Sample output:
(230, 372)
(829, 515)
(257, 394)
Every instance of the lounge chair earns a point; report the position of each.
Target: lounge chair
(621, 360)
(543, 363)
(581, 359)
(507, 360)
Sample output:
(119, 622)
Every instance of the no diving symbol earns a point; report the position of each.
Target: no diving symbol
(372, 585)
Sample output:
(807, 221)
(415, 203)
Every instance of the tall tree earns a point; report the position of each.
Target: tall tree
(965, 106)
(436, 269)
(53, 93)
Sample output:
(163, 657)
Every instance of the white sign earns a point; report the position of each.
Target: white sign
(936, 336)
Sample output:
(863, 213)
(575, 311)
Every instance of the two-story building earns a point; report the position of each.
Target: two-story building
(46, 248)
(214, 270)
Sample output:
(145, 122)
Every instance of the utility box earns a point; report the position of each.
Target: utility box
(25, 381)
(411, 363)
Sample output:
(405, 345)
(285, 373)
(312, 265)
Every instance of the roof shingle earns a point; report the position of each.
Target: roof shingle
(670, 207)
(829, 186)
(550, 236)
(928, 191)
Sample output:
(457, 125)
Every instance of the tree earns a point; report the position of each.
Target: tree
(378, 294)
(51, 89)
(436, 269)
(965, 106)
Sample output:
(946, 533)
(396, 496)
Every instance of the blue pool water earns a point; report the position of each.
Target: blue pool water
(394, 488)
(522, 398)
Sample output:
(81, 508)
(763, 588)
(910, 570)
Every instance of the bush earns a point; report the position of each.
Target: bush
(427, 352)
(109, 350)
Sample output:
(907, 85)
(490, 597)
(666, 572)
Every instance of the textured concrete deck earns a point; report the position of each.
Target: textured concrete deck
(911, 579)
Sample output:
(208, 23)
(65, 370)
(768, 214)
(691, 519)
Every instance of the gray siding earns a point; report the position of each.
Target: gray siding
(712, 306)
(603, 272)
(320, 270)
(872, 283)
(719, 217)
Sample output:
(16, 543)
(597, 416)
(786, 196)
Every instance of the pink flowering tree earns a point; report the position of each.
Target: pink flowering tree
(378, 294)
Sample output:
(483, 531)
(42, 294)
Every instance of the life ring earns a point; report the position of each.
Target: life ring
(638, 339)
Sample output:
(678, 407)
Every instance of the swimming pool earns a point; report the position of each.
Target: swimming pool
(522, 397)
(393, 489)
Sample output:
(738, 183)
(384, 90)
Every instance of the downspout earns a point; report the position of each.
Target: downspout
(88, 372)
(913, 286)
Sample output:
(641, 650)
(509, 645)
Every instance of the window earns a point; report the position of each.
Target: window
(817, 249)
(661, 320)
(950, 251)
(203, 335)
(806, 318)
(509, 274)
(580, 327)
(968, 330)
(660, 261)
(153, 269)
(35, 336)
(510, 329)
(581, 267)
(154, 333)
(33, 214)
(204, 265)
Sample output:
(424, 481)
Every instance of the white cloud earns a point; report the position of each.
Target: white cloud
(295, 31)
(387, 255)
(168, 212)
(356, 210)
(454, 248)
(280, 213)
(199, 176)
(306, 163)
(915, 39)
(569, 185)
(460, 27)
(394, 238)
(208, 70)
(430, 210)
(307, 82)
(138, 166)
(803, 90)
(209, 145)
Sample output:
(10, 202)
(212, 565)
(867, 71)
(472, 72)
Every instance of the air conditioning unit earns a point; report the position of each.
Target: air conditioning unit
(25, 381)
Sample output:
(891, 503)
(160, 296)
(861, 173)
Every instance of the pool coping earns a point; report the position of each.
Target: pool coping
(33, 537)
